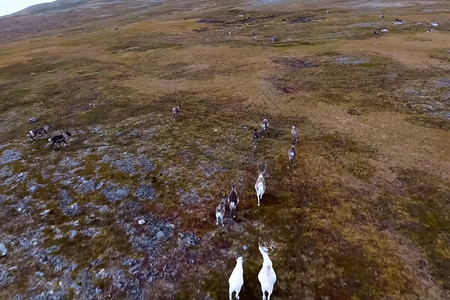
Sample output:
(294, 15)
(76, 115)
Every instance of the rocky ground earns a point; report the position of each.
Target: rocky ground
(126, 209)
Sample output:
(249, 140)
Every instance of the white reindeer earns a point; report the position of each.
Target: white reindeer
(294, 133)
(260, 185)
(176, 111)
(220, 210)
(291, 154)
(264, 125)
(236, 280)
(266, 276)
(233, 201)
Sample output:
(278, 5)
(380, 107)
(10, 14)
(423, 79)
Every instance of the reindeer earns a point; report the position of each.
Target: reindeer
(266, 276)
(291, 155)
(255, 138)
(294, 133)
(33, 133)
(233, 201)
(264, 125)
(236, 280)
(260, 185)
(176, 110)
(220, 210)
(59, 139)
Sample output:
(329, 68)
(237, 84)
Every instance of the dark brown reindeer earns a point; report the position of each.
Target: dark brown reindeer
(233, 201)
(58, 139)
(38, 131)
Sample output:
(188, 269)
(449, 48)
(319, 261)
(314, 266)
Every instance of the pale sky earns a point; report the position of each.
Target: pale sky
(11, 6)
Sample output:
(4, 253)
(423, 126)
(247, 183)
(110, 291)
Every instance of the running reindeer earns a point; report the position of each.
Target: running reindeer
(220, 209)
(260, 185)
(266, 276)
(58, 139)
(291, 155)
(236, 280)
(233, 201)
(294, 133)
(38, 131)
(176, 111)
(264, 125)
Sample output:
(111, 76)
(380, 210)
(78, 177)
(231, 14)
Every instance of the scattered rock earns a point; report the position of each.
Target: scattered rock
(443, 82)
(85, 186)
(21, 177)
(190, 198)
(72, 210)
(5, 172)
(160, 235)
(33, 120)
(128, 164)
(5, 277)
(115, 193)
(91, 232)
(145, 192)
(9, 156)
(3, 250)
(69, 162)
(97, 130)
(72, 233)
(65, 198)
(141, 222)
(188, 239)
(345, 61)
(135, 134)
(32, 186)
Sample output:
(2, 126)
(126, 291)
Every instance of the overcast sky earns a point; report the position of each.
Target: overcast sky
(11, 6)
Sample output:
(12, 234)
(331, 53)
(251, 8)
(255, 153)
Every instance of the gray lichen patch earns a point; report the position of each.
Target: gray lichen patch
(9, 156)
(145, 192)
(114, 192)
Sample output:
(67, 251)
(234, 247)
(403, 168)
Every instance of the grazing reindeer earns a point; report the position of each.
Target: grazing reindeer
(220, 210)
(382, 16)
(233, 201)
(294, 133)
(264, 125)
(255, 138)
(266, 276)
(260, 185)
(59, 139)
(176, 111)
(291, 154)
(236, 280)
(33, 133)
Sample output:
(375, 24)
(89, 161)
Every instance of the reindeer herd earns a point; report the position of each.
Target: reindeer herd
(266, 276)
(56, 139)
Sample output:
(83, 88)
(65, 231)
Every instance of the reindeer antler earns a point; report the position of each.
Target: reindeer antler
(265, 168)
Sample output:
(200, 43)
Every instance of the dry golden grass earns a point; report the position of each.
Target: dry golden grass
(367, 200)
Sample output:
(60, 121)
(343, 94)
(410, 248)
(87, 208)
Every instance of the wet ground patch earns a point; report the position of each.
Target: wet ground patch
(294, 63)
